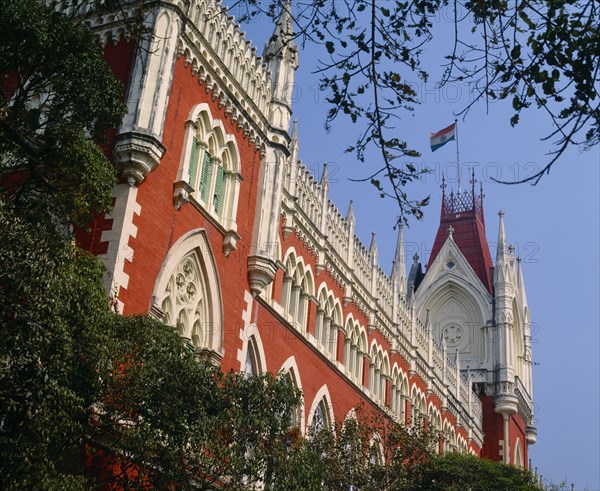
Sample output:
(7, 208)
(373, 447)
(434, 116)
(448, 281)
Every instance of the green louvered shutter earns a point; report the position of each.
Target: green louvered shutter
(218, 197)
(206, 172)
(193, 167)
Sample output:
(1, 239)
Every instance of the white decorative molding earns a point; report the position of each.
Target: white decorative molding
(123, 212)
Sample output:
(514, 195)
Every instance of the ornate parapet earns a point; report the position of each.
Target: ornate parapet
(136, 155)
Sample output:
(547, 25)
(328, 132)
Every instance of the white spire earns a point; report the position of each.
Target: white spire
(521, 283)
(398, 275)
(324, 199)
(501, 259)
(295, 133)
(373, 248)
(325, 177)
(458, 380)
(501, 244)
(294, 149)
(350, 213)
(283, 34)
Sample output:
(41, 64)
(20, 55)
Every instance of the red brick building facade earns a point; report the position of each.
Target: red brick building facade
(220, 231)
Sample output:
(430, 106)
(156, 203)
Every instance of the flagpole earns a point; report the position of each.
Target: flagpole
(457, 159)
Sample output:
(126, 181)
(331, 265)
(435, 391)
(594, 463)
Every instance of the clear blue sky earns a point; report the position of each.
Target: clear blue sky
(555, 227)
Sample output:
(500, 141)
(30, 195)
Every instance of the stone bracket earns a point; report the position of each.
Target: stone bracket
(261, 272)
(136, 155)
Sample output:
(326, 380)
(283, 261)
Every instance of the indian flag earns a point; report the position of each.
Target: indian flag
(442, 137)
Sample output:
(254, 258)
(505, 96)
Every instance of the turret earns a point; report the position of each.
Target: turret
(350, 216)
(523, 307)
(521, 295)
(281, 55)
(351, 221)
(505, 401)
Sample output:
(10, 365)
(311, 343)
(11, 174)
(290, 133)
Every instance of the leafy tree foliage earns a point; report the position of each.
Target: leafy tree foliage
(369, 452)
(540, 54)
(74, 374)
(458, 472)
(175, 421)
(58, 99)
(52, 306)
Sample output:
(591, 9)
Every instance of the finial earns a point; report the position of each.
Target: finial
(481, 196)
(416, 258)
(511, 248)
(501, 214)
(450, 230)
(519, 259)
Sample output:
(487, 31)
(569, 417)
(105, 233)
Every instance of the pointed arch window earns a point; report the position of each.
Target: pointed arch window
(355, 348)
(297, 290)
(297, 409)
(185, 302)
(518, 461)
(210, 168)
(329, 318)
(252, 366)
(378, 374)
(399, 394)
(320, 417)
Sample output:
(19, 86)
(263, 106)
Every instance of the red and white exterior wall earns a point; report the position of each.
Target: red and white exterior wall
(219, 230)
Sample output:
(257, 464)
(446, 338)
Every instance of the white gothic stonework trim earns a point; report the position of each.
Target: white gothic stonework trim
(119, 251)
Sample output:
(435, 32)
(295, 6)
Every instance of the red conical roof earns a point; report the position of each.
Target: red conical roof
(463, 212)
